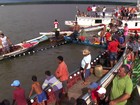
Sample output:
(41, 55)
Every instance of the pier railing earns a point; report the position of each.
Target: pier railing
(105, 81)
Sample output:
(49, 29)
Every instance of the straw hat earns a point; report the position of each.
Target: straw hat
(86, 52)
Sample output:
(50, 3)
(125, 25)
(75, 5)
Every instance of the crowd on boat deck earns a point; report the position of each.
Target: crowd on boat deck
(121, 89)
(125, 13)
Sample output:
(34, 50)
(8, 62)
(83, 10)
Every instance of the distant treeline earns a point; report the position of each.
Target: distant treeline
(73, 2)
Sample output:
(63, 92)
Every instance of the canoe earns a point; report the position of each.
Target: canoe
(39, 39)
(19, 49)
(86, 42)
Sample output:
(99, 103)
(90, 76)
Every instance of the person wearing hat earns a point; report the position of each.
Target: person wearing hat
(85, 65)
(5, 43)
(102, 96)
(92, 89)
(122, 87)
(18, 94)
(62, 74)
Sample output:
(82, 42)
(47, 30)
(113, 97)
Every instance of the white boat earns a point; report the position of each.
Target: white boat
(86, 21)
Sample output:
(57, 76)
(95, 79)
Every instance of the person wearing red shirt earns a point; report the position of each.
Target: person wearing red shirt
(113, 49)
(18, 94)
(107, 36)
(89, 9)
(93, 88)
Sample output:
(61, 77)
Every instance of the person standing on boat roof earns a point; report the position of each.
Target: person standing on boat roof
(104, 10)
(76, 30)
(41, 95)
(85, 65)
(18, 94)
(121, 87)
(62, 74)
(94, 10)
(56, 85)
(89, 9)
(5, 43)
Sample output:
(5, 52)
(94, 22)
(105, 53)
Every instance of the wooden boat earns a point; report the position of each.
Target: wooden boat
(74, 83)
(19, 49)
(86, 42)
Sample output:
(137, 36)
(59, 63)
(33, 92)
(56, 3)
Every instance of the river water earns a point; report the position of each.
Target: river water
(23, 22)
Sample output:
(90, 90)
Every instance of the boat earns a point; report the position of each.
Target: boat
(52, 34)
(74, 82)
(19, 49)
(87, 21)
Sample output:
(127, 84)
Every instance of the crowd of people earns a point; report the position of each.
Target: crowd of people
(123, 13)
(122, 85)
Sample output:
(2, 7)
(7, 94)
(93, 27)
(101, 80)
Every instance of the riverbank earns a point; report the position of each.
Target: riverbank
(69, 2)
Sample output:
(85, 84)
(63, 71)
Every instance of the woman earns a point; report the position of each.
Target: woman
(85, 65)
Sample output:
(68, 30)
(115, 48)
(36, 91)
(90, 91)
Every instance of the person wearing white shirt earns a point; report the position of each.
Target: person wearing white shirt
(85, 65)
(104, 9)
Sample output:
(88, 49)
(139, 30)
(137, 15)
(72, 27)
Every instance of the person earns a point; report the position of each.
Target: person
(18, 94)
(104, 9)
(134, 44)
(85, 65)
(41, 95)
(62, 74)
(55, 24)
(107, 36)
(121, 87)
(94, 10)
(76, 29)
(102, 96)
(129, 56)
(56, 85)
(5, 43)
(136, 35)
(125, 32)
(113, 50)
(92, 89)
(89, 9)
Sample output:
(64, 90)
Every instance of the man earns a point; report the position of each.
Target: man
(121, 87)
(93, 88)
(5, 43)
(85, 65)
(113, 50)
(41, 96)
(104, 10)
(76, 29)
(56, 85)
(62, 74)
(18, 94)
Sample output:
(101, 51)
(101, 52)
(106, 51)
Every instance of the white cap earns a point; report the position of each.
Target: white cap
(102, 90)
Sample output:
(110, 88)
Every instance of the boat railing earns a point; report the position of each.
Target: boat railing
(74, 77)
(104, 82)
